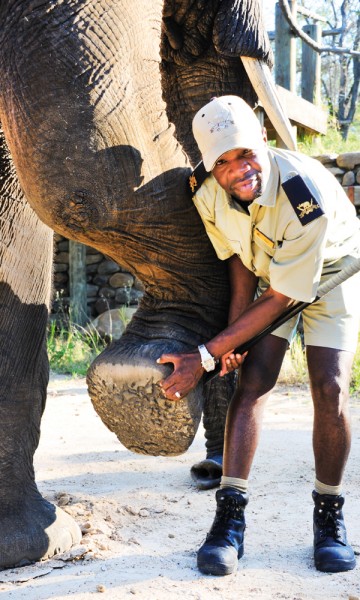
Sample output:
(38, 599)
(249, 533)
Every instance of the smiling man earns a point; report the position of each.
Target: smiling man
(284, 224)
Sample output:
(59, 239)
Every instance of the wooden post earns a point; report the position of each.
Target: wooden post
(311, 66)
(77, 284)
(285, 49)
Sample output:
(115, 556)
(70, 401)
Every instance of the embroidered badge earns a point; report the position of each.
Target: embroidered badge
(197, 178)
(192, 183)
(302, 200)
(306, 208)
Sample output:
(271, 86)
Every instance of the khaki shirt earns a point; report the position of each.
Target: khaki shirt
(273, 240)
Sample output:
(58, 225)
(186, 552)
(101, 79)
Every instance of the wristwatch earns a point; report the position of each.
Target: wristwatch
(208, 362)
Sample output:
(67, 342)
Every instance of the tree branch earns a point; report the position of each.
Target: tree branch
(314, 45)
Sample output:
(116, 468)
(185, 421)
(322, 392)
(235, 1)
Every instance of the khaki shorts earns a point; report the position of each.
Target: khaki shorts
(331, 322)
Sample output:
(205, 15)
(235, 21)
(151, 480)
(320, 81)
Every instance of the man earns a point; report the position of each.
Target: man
(284, 224)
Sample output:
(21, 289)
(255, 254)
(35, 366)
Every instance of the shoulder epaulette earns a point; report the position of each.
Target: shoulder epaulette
(197, 178)
(302, 200)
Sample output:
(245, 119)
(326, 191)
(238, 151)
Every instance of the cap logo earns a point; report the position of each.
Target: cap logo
(220, 122)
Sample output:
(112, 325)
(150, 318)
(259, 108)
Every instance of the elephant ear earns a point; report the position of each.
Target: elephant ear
(239, 30)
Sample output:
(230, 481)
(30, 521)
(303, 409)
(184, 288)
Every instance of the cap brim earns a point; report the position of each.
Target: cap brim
(232, 142)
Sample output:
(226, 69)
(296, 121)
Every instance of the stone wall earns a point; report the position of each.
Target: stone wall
(346, 169)
(109, 286)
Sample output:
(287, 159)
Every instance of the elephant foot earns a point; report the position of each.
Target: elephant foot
(130, 402)
(38, 532)
(207, 473)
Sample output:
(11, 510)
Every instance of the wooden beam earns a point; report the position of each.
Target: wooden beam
(302, 114)
(285, 49)
(311, 62)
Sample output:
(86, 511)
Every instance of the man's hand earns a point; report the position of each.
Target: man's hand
(187, 373)
(230, 362)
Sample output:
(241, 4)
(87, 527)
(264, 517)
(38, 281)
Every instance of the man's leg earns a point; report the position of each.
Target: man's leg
(224, 543)
(330, 372)
(259, 374)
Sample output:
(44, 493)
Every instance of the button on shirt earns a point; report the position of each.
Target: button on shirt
(271, 240)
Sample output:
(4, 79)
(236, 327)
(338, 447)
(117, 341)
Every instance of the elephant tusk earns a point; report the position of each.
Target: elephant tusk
(264, 86)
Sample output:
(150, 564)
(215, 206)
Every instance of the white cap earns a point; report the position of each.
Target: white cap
(224, 124)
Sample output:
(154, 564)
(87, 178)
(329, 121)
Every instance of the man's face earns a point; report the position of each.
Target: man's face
(243, 173)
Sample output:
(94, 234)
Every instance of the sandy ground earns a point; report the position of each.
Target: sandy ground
(143, 519)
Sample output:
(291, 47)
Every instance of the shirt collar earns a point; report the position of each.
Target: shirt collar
(268, 197)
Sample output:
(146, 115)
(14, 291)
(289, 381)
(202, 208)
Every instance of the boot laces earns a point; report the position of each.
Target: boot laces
(227, 509)
(328, 517)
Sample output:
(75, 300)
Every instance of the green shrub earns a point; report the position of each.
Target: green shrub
(355, 377)
(332, 142)
(71, 349)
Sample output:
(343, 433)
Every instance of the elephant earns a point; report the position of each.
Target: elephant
(96, 103)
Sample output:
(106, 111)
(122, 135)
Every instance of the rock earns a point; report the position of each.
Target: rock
(87, 528)
(91, 290)
(327, 159)
(106, 292)
(63, 245)
(102, 305)
(336, 171)
(90, 250)
(61, 257)
(92, 268)
(63, 499)
(60, 278)
(348, 160)
(349, 178)
(135, 296)
(100, 279)
(106, 267)
(121, 280)
(122, 296)
(61, 268)
(92, 259)
(112, 323)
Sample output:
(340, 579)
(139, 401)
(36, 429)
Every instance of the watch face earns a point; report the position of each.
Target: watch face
(207, 361)
(209, 364)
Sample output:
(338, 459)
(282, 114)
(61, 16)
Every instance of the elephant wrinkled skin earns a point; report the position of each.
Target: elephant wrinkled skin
(96, 102)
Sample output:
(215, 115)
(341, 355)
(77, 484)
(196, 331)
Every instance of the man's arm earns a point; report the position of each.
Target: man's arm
(253, 320)
(258, 315)
(243, 286)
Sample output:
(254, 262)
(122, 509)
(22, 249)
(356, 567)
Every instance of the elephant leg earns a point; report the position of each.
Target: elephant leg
(31, 528)
(218, 392)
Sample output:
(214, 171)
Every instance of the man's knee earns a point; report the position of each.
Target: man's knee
(256, 382)
(330, 396)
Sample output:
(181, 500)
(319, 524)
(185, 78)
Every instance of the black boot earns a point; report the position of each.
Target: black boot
(332, 552)
(224, 543)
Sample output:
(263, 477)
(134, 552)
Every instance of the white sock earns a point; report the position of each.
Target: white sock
(323, 488)
(234, 482)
